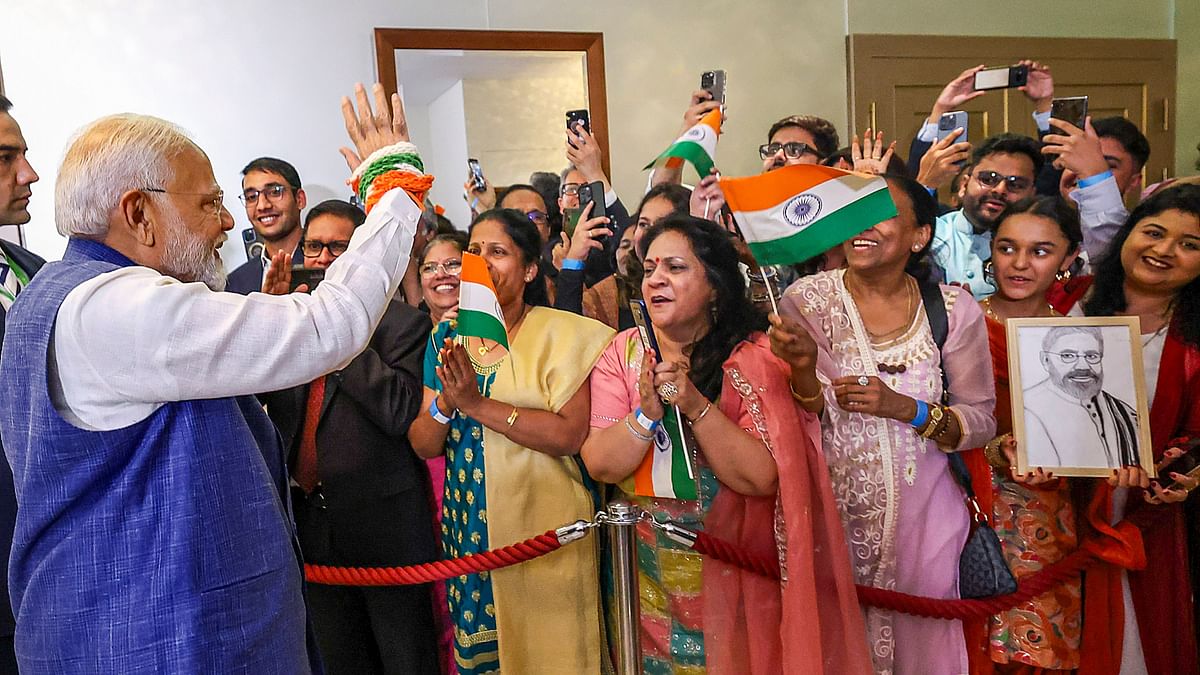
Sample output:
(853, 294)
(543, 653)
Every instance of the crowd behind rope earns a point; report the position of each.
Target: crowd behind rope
(181, 440)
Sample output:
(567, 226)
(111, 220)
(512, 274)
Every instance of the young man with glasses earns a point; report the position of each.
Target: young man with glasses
(798, 139)
(1003, 170)
(360, 495)
(273, 198)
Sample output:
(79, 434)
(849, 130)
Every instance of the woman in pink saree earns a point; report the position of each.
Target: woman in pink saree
(761, 482)
(877, 383)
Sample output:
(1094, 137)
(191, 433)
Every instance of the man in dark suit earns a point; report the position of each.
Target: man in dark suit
(17, 266)
(360, 494)
(273, 197)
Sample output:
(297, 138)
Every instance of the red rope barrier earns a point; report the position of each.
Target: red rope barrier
(1028, 588)
(439, 570)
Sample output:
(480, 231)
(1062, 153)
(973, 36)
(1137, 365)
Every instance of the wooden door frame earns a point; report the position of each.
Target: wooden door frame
(388, 40)
(1159, 106)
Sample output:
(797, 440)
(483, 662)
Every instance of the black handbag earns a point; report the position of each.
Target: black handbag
(982, 572)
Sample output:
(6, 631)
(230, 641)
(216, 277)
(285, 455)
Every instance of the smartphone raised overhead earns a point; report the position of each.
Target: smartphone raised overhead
(477, 181)
(713, 81)
(1008, 77)
(577, 118)
(1071, 109)
(950, 121)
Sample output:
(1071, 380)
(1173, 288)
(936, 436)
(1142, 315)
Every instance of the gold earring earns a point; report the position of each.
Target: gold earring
(1063, 276)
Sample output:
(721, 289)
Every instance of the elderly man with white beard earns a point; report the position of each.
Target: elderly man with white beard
(153, 531)
(1069, 412)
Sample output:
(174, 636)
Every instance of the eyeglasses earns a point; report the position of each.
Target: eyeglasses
(538, 217)
(569, 189)
(451, 267)
(272, 192)
(793, 150)
(990, 179)
(218, 200)
(312, 248)
(1071, 357)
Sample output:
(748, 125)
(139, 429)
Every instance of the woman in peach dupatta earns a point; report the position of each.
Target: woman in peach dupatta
(762, 483)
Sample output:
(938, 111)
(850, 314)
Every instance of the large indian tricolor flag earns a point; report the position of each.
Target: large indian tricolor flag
(479, 312)
(697, 145)
(796, 212)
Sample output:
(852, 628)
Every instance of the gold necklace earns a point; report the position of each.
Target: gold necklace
(483, 349)
(991, 313)
(908, 313)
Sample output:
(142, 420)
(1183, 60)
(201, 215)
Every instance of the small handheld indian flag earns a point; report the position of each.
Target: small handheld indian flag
(697, 145)
(666, 471)
(796, 212)
(479, 313)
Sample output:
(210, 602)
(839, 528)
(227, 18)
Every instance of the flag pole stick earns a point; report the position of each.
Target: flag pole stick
(770, 292)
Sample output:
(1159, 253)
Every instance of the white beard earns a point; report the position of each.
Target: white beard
(189, 258)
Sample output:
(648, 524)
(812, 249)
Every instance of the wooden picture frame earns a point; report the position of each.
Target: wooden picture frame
(1073, 426)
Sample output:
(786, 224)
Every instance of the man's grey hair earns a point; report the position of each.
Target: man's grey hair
(562, 177)
(108, 158)
(1057, 332)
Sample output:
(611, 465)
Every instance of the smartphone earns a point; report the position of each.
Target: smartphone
(1188, 464)
(593, 193)
(476, 175)
(253, 243)
(1008, 77)
(1072, 109)
(306, 275)
(950, 121)
(579, 117)
(641, 317)
(571, 221)
(713, 81)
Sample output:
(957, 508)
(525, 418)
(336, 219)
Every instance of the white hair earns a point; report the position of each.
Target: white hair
(108, 158)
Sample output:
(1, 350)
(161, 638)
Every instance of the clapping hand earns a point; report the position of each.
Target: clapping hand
(652, 405)
(370, 130)
(460, 389)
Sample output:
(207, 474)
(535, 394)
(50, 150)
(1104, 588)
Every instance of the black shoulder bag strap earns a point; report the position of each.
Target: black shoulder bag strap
(939, 324)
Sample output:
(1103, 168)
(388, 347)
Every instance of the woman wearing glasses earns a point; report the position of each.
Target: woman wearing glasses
(1151, 271)
(508, 423)
(877, 383)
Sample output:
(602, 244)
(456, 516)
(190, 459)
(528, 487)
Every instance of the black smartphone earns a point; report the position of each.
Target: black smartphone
(476, 175)
(306, 275)
(1072, 109)
(578, 118)
(254, 245)
(593, 193)
(1008, 77)
(641, 317)
(950, 121)
(713, 81)
(1188, 464)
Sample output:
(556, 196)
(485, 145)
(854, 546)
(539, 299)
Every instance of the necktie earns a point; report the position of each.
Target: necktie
(306, 459)
(9, 285)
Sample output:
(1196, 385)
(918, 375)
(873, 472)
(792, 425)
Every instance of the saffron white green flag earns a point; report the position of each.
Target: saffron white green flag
(479, 313)
(796, 212)
(697, 145)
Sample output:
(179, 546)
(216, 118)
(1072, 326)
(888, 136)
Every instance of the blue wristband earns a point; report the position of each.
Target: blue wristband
(922, 414)
(436, 414)
(647, 423)
(932, 191)
(572, 264)
(1092, 180)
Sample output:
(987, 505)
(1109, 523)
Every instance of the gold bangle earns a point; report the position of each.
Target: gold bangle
(806, 400)
(994, 456)
(512, 417)
(704, 412)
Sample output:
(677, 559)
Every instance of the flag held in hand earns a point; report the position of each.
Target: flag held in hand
(797, 212)
(697, 145)
(479, 313)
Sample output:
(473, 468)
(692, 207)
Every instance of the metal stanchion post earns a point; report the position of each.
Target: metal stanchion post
(622, 521)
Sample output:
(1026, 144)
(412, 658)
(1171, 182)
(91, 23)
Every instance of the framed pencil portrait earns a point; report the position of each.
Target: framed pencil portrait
(1078, 395)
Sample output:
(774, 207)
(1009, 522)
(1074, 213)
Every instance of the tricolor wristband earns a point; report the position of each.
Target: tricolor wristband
(436, 414)
(922, 415)
(646, 422)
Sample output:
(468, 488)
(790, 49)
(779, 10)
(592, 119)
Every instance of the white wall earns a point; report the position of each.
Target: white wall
(249, 78)
(448, 157)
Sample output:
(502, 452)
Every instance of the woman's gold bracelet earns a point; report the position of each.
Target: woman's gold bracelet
(807, 400)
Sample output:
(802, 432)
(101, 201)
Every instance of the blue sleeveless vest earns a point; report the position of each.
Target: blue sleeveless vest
(163, 547)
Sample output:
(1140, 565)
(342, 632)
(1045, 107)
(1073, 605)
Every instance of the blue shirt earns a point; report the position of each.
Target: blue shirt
(961, 253)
